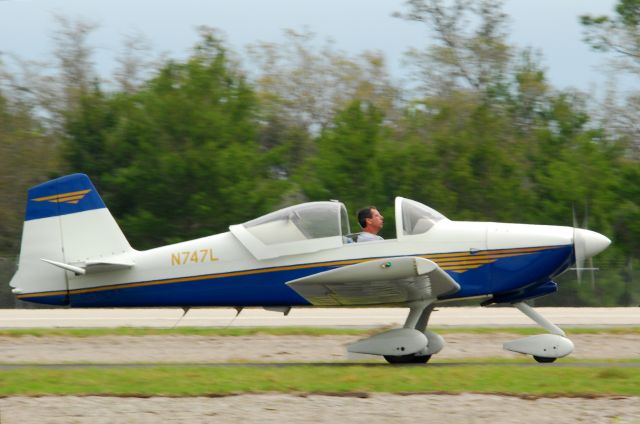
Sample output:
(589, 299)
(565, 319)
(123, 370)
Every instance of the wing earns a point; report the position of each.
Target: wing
(375, 282)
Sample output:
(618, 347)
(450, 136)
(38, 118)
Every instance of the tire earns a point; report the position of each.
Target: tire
(544, 360)
(407, 359)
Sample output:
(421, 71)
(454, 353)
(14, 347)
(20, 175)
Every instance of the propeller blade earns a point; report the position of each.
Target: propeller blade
(593, 274)
(586, 244)
(585, 222)
(578, 252)
(579, 247)
(585, 225)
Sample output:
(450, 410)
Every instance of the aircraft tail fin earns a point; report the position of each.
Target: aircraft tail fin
(67, 227)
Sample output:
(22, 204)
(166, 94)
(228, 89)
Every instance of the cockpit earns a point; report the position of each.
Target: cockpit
(315, 226)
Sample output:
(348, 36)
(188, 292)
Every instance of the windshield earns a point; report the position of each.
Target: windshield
(416, 217)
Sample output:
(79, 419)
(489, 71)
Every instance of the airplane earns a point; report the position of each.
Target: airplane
(74, 253)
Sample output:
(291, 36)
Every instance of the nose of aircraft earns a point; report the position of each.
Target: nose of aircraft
(589, 243)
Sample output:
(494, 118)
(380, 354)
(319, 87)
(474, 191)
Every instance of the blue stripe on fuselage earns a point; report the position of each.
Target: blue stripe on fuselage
(263, 289)
(268, 288)
(521, 271)
(512, 273)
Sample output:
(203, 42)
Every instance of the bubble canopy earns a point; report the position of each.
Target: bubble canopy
(304, 228)
(315, 226)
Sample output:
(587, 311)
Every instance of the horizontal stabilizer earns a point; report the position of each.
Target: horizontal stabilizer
(90, 267)
(67, 267)
(376, 282)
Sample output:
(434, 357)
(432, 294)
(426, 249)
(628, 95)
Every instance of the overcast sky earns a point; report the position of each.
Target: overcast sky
(355, 25)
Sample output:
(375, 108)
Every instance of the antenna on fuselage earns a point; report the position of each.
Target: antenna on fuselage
(185, 309)
(238, 310)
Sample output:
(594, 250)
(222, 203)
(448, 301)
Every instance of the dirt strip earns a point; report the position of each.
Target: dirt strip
(279, 408)
(268, 348)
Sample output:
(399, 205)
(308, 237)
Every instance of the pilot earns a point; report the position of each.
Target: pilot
(371, 222)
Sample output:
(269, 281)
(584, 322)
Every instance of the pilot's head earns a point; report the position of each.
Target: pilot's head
(370, 219)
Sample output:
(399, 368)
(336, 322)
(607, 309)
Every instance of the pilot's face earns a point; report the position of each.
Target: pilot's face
(376, 222)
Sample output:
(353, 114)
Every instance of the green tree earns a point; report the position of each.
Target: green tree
(617, 33)
(308, 84)
(346, 166)
(619, 36)
(469, 48)
(180, 156)
(28, 155)
(302, 85)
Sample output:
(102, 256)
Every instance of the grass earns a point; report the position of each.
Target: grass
(285, 331)
(478, 375)
(327, 379)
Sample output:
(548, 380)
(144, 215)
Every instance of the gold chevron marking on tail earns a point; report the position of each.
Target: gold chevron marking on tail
(71, 198)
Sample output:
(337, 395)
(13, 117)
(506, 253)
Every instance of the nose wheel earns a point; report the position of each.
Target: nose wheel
(545, 348)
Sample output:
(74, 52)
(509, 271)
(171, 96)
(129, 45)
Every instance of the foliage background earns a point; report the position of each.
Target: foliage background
(183, 149)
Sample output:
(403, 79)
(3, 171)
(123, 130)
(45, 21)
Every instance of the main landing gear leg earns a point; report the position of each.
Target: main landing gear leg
(543, 347)
(418, 319)
(411, 344)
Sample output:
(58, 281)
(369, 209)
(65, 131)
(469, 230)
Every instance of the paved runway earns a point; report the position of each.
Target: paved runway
(431, 364)
(316, 317)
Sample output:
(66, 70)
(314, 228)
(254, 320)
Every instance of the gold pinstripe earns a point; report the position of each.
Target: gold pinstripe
(461, 262)
(455, 262)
